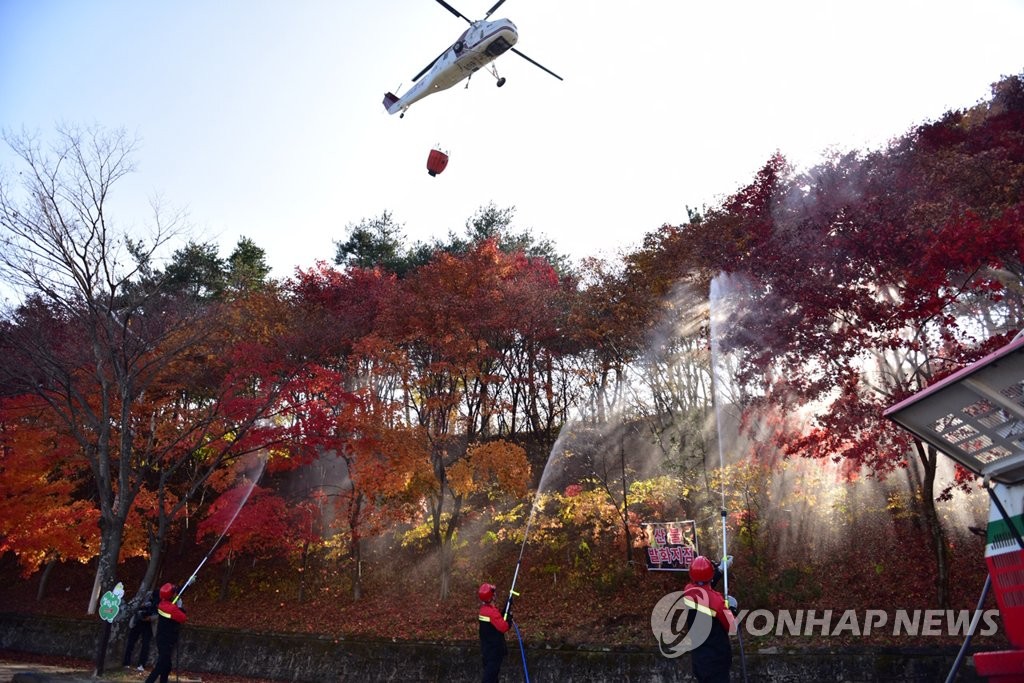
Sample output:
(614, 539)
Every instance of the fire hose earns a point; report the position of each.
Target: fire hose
(508, 610)
(522, 651)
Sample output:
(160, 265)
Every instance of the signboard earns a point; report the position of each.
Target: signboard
(110, 603)
(671, 546)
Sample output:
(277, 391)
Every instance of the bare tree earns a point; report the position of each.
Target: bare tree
(77, 273)
(97, 334)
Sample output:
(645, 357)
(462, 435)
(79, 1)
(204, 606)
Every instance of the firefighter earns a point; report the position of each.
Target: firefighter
(492, 633)
(140, 627)
(712, 658)
(170, 617)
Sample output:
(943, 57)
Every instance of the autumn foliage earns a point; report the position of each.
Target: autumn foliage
(364, 442)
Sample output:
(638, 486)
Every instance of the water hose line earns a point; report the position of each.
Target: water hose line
(508, 609)
(970, 631)
(512, 594)
(522, 651)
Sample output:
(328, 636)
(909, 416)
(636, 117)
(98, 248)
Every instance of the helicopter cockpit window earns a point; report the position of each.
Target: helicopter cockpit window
(498, 46)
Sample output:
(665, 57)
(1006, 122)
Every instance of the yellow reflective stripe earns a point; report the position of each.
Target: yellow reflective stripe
(693, 604)
(515, 593)
(163, 614)
(483, 618)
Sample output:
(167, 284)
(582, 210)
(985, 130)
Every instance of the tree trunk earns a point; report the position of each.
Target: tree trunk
(928, 457)
(101, 649)
(42, 579)
(106, 578)
(304, 573)
(446, 571)
(111, 531)
(357, 568)
(156, 549)
(225, 581)
(446, 556)
(625, 497)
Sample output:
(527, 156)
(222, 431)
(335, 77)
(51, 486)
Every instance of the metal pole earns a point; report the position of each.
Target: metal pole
(725, 547)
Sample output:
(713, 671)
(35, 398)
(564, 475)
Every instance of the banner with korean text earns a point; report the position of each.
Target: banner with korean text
(671, 546)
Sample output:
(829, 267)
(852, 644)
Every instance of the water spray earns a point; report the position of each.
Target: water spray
(245, 499)
(713, 296)
(512, 594)
(529, 523)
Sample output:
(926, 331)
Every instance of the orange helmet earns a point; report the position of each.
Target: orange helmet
(485, 592)
(701, 569)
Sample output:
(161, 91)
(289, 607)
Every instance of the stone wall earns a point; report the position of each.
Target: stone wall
(313, 659)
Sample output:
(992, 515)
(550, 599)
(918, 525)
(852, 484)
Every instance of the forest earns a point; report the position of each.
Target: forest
(356, 447)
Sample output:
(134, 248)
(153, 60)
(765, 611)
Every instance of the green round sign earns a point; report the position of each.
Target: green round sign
(110, 603)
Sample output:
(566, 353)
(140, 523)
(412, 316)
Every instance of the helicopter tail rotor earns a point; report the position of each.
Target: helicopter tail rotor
(390, 102)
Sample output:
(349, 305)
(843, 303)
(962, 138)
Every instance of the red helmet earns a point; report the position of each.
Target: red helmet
(485, 592)
(166, 591)
(701, 569)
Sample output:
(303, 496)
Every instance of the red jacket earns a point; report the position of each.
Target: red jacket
(490, 614)
(706, 599)
(712, 658)
(168, 626)
(169, 610)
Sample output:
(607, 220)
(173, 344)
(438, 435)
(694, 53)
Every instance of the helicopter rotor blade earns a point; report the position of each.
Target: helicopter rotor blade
(455, 11)
(427, 67)
(535, 63)
(491, 11)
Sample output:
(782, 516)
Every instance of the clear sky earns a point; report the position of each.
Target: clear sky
(264, 118)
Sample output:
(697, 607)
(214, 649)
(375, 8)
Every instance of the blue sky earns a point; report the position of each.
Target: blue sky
(264, 118)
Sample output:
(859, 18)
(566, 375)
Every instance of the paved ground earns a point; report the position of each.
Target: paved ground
(23, 672)
(26, 672)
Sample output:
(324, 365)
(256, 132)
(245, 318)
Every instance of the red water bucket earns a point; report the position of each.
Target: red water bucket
(436, 161)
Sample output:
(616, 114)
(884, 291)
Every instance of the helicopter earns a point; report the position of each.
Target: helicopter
(477, 47)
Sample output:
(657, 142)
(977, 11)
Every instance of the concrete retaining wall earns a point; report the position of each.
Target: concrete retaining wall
(312, 659)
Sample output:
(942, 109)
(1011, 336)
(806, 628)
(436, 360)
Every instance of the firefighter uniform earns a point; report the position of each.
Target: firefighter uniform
(492, 634)
(712, 658)
(168, 627)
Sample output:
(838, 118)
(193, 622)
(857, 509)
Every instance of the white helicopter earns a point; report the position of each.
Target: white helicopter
(481, 43)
